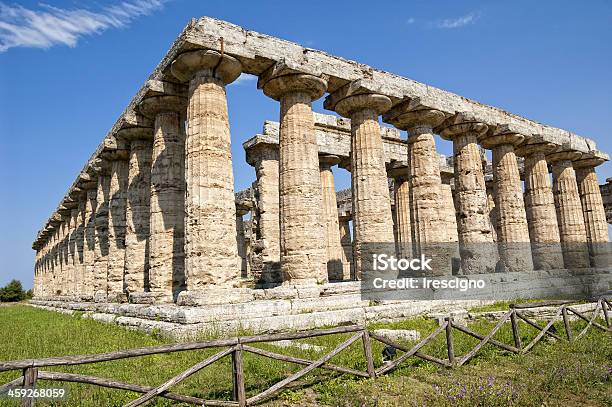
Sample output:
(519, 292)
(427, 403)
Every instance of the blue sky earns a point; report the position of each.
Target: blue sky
(69, 68)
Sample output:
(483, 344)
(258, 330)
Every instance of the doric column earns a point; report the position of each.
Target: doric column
(101, 243)
(570, 218)
(264, 158)
(79, 245)
(211, 253)
(401, 186)
(138, 208)
(73, 257)
(540, 207)
(330, 211)
(448, 208)
(241, 241)
(302, 222)
(89, 242)
(64, 268)
(429, 226)
(593, 211)
(346, 240)
(372, 218)
(477, 249)
(491, 209)
(117, 220)
(512, 231)
(167, 206)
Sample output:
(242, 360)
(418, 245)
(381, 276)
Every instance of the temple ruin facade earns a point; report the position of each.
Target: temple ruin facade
(153, 218)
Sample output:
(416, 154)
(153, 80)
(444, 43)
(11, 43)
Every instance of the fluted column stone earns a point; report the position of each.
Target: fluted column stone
(302, 222)
(347, 248)
(540, 207)
(100, 276)
(512, 230)
(401, 189)
(330, 210)
(167, 209)
(264, 158)
(477, 249)
(448, 209)
(211, 251)
(117, 222)
(569, 210)
(372, 218)
(594, 213)
(138, 207)
(79, 244)
(89, 240)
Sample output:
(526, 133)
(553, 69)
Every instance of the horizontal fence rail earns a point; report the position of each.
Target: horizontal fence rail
(235, 347)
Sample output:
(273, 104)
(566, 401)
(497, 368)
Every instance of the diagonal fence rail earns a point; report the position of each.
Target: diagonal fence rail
(235, 347)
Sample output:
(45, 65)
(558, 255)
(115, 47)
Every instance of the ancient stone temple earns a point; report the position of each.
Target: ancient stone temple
(152, 231)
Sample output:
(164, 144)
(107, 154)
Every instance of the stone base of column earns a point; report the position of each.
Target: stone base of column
(547, 256)
(212, 296)
(100, 296)
(117, 297)
(150, 298)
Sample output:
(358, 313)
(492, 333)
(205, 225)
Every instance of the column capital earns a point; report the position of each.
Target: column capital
(207, 63)
(136, 133)
(585, 162)
(418, 121)
(527, 149)
(275, 84)
(398, 171)
(328, 160)
(154, 105)
(461, 123)
(356, 96)
(259, 149)
(489, 141)
(115, 148)
(565, 155)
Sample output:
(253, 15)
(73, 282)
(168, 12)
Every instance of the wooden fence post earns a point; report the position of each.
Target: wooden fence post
(30, 374)
(515, 329)
(449, 340)
(605, 305)
(566, 323)
(367, 351)
(239, 391)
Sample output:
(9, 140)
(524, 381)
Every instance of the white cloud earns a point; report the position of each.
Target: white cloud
(411, 20)
(457, 22)
(49, 26)
(245, 77)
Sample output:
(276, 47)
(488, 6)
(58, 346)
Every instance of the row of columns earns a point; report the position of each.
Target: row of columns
(161, 219)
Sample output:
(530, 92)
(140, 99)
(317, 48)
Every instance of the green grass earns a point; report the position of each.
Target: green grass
(555, 373)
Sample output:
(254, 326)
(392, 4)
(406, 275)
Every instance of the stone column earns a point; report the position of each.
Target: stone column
(117, 221)
(264, 157)
(347, 248)
(330, 211)
(372, 218)
(90, 279)
(64, 236)
(512, 231)
(593, 211)
(73, 261)
(302, 222)
(402, 210)
(79, 244)
(211, 252)
(241, 241)
(540, 208)
(428, 224)
(569, 210)
(491, 209)
(138, 209)
(167, 206)
(100, 274)
(478, 251)
(448, 208)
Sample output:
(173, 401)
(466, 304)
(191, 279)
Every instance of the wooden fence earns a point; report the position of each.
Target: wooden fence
(235, 347)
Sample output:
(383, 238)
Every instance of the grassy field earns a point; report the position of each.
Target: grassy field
(553, 374)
